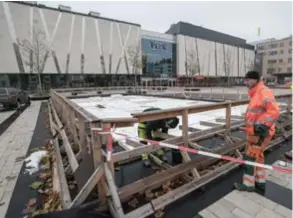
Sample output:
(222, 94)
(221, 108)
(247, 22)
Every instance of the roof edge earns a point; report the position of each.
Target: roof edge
(72, 12)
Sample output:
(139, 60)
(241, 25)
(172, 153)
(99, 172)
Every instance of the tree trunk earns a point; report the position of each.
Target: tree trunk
(40, 83)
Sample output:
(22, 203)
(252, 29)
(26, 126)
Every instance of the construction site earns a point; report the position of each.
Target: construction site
(81, 156)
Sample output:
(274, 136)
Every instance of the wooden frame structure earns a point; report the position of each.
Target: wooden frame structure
(74, 126)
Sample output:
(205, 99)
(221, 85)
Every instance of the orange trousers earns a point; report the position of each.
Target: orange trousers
(255, 152)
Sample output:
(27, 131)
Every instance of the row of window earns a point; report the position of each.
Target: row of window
(278, 70)
(273, 53)
(280, 61)
(274, 45)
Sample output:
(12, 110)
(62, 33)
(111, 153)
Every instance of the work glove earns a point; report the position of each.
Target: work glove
(261, 130)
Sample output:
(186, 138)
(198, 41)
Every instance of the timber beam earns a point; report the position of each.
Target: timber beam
(210, 124)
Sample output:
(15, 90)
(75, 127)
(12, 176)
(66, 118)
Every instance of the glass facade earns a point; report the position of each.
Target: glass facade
(30, 82)
(159, 58)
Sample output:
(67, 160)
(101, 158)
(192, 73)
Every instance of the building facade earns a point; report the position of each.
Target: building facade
(88, 50)
(276, 59)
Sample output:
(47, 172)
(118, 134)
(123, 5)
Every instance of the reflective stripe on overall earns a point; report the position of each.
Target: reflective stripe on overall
(258, 112)
(142, 134)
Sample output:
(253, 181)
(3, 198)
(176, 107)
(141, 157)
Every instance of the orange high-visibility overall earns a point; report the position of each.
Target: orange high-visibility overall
(262, 109)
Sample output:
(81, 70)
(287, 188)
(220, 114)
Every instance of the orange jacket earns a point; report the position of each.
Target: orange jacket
(262, 109)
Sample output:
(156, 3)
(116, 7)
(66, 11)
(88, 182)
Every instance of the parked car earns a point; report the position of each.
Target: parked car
(13, 98)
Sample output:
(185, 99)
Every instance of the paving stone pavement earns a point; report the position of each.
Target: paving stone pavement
(282, 179)
(14, 143)
(251, 205)
(5, 114)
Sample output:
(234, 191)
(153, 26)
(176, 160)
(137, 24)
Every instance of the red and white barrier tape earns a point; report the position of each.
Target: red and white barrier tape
(208, 154)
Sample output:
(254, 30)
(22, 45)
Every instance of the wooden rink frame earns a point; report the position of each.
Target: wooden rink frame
(74, 126)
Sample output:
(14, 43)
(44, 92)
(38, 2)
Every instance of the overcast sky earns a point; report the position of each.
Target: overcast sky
(239, 19)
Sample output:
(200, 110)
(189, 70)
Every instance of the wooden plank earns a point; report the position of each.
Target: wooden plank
(121, 156)
(61, 178)
(190, 129)
(158, 179)
(210, 124)
(112, 188)
(133, 143)
(143, 211)
(71, 156)
(88, 187)
(109, 139)
(98, 159)
(185, 127)
(172, 196)
(222, 120)
(228, 120)
(82, 135)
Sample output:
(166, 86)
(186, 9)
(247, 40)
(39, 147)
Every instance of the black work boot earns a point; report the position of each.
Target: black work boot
(164, 158)
(146, 163)
(242, 187)
(260, 186)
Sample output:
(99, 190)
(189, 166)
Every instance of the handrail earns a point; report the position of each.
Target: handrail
(173, 112)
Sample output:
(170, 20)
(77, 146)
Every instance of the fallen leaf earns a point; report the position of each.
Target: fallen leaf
(159, 214)
(2, 203)
(31, 202)
(133, 202)
(45, 166)
(45, 175)
(36, 185)
(38, 149)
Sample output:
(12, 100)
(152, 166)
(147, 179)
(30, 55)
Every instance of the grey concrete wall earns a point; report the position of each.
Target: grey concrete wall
(76, 44)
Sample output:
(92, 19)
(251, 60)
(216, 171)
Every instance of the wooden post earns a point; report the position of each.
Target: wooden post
(98, 160)
(185, 155)
(185, 127)
(228, 120)
(108, 139)
(73, 125)
(82, 134)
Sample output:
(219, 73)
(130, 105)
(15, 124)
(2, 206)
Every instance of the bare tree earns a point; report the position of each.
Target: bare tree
(192, 64)
(228, 63)
(35, 52)
(134, 57)
(250, 65)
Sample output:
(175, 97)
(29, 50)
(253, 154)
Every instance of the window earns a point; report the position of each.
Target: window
(289, 60)
(3, 92)
(159, 58)
(280, 60)
(270, 70)
(273, 45)
(289, 70)
(282, 44)
(290, 43)
(260, 47)
(272, 61)
(281, 51)
(279, 70)
(290, 51)
(272, 53)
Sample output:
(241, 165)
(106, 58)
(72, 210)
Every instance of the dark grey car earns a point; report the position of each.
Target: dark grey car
(13, 98)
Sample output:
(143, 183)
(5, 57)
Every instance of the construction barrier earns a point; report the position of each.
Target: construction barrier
(194, 151)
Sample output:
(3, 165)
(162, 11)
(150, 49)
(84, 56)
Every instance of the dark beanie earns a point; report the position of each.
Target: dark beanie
(252, 75)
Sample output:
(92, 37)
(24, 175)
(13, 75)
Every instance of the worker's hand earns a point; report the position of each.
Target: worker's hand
(261, 130)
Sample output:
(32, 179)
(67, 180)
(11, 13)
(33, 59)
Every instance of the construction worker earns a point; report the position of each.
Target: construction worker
(260, 118)
(150, 129)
